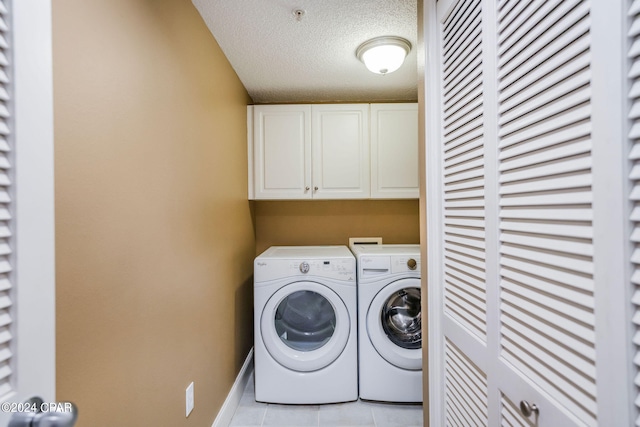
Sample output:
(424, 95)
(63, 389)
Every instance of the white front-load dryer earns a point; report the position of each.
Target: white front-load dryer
(389, 322)
(305, 328)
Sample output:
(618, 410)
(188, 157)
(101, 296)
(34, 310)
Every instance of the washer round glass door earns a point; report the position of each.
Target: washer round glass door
(305, 326)
(394, 324)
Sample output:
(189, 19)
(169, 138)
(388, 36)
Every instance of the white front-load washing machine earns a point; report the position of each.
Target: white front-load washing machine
(305, 325)
(389, 322)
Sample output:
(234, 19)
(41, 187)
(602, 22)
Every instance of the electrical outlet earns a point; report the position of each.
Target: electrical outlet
(190, 399)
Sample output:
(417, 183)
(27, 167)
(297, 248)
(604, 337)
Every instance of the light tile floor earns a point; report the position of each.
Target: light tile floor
(360, 413)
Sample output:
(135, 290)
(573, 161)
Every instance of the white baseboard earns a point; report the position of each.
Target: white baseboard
(223, 419)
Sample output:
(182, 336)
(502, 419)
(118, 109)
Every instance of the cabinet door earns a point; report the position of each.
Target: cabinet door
(394, 151)
(341, 151)
(282, 151)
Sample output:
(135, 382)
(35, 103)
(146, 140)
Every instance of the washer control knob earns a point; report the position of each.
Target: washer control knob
(304, 267)
(412, 264)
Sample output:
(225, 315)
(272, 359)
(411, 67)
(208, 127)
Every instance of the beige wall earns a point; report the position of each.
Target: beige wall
(154, 235)
(333, 222)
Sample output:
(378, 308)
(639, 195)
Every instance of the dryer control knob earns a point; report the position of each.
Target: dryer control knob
(412, 264)
(304, 267)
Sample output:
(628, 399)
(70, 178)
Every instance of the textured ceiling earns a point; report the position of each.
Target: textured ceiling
(282, 58)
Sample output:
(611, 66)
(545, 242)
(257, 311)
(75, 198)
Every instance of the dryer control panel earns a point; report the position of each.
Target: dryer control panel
(334, 268)
(338, 269)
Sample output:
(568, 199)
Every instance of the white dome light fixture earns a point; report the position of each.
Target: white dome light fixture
(383, 55)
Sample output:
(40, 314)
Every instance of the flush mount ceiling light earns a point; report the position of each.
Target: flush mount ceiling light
(383, 55)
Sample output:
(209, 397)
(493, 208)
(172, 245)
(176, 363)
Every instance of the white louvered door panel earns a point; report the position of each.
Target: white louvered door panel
(634, 135)
(463, 216)
(27, 246)
(517, 290)
(466, 389)
(463, 154)
(6, 243)
(547, 321)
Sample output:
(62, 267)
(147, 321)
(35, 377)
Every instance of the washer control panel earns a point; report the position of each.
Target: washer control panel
(405, 263)
(371, 266)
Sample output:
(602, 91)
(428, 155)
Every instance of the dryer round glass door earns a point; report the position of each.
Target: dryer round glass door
(305, 320)
(394, 323)
(305, 326)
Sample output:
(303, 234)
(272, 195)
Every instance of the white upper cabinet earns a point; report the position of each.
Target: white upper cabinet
(394, 149)
(330, 151)
(282, 151)
(340, 141)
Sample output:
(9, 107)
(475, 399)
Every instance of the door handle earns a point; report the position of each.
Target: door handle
(528, 409)
(44, 418)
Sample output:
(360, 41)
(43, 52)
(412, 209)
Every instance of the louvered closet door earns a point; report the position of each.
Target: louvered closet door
(518, 295)
(27, 263)
(6, 242)
(634, 135)
(463, 178)
(546, 286)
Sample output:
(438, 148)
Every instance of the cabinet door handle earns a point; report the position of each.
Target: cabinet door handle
(306, 188)
(528, 409)
(315, 188)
